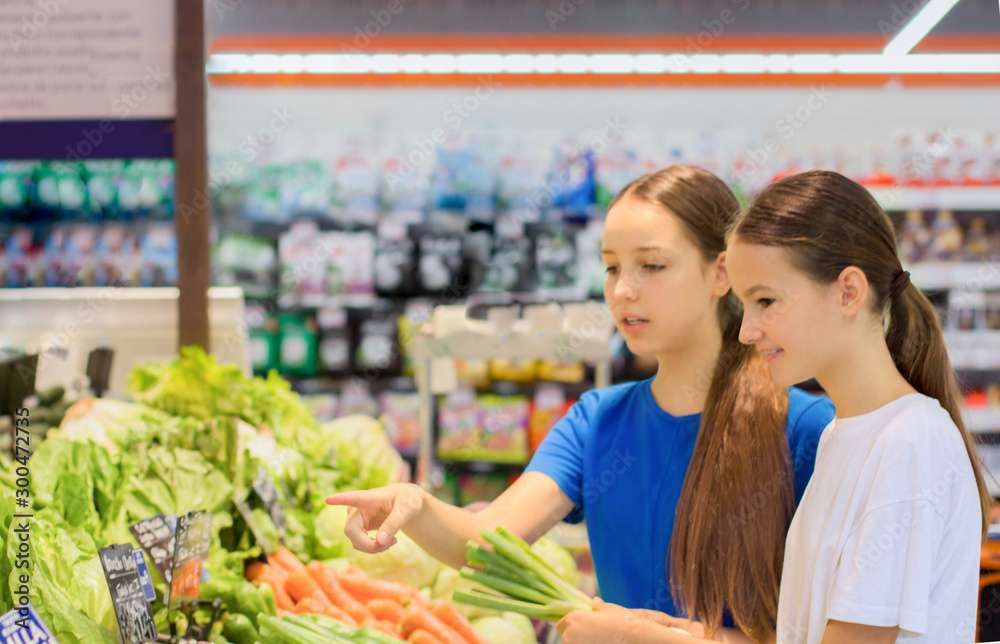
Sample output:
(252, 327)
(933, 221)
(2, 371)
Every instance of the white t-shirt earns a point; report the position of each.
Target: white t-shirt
(888, 530)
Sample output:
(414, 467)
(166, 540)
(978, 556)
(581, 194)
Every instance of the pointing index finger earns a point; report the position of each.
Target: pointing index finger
(353, 499)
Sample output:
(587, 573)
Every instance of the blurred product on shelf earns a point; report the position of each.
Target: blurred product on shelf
(95, 223)
(951, 237)
(946, 243)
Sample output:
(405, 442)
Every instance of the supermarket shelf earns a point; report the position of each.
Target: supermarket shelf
(938, 276)
(519, 344)
(481, 467)
(951, 198)
(982, 420)
(974, 350)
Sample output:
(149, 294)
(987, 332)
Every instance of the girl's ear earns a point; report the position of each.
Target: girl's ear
(852, 290)
(720, 282)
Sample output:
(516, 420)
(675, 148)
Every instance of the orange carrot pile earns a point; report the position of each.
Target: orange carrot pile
(354, 597)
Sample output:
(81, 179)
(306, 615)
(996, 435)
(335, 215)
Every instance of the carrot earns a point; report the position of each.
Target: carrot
(254, 568)
(308, 606)
(272, 575)
(281, 599)
(364, 587)
(386, 627)
(416, 617)
(300, 585)
(388, 610)
(340, 614)
(447, 613)
(339, 597)
(284, 558)
(421, 636)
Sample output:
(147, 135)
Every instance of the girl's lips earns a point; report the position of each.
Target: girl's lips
(771, 355)
(635, 325)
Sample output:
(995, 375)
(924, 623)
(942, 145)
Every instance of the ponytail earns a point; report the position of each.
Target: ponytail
(916, 342)
(738, 497)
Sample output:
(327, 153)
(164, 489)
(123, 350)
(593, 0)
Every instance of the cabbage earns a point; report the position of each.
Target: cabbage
(331, 542)
(68, 588)
(559, 558)
(448, 581)
(196, 385)
(112, 424)
(405, 562)
(506, 628)
(361, 450)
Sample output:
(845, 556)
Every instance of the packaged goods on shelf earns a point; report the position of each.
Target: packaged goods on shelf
(486, 427)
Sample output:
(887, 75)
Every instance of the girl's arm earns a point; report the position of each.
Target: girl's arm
(848, 633)
(610, 622)
(530, 508)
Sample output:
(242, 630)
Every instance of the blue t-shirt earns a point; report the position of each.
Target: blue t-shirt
(622, 460)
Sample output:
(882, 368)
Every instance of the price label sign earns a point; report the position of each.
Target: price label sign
(144, 578)
(194, 538)
(156, 536)
(263, 486)
(24, 626)
(254, 527)
(135, 619)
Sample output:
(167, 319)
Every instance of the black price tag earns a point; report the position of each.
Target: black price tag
(263, 486)
(194, 538)
(156, 537)
(17, 382)
(135, 619)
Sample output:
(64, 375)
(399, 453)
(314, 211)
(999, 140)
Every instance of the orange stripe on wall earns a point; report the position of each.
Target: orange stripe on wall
(603, 80)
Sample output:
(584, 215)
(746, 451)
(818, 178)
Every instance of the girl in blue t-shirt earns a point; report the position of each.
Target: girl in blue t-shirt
(699, 467)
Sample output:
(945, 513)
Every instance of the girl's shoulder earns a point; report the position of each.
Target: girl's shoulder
(807, 412)
(615, 395)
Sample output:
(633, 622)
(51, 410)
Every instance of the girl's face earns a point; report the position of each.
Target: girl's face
(793, 321)
(658, 287)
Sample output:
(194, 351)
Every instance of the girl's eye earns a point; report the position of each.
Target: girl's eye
(765, 302)
(611, 270)
(652, 268)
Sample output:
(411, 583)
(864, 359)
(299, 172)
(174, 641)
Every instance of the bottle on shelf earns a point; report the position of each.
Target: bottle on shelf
(914, 237)
(946, 245)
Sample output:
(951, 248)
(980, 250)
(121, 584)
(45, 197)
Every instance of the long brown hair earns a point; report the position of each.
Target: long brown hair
(738, 498)
(827, 222)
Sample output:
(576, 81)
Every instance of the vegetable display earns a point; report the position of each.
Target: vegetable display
(200, 437)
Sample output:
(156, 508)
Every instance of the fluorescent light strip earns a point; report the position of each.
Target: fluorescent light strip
(602, 64)
(919, 26)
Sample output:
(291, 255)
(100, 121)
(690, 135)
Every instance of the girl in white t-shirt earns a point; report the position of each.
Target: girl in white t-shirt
(884, 546)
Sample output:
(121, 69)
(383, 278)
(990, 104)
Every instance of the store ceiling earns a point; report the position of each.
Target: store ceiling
(562, 17)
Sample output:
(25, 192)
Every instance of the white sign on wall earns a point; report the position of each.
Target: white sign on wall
(86, 59)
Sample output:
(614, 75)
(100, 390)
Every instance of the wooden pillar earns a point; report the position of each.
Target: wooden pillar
(191, 157)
